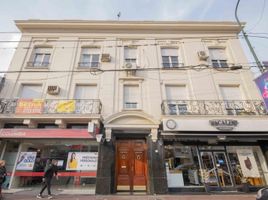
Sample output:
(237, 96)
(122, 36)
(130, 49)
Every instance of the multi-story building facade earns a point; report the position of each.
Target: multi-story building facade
(172, 104)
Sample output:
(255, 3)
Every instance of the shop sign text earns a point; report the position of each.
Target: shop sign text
(224, 124)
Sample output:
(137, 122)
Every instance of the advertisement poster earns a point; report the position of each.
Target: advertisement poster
(248, 163)
(262, 83)
(84, 161)
(26, 161)
(66, 106)
(29, 106)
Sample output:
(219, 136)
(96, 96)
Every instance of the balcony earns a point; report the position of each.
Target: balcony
(213, 107)
(50, 106)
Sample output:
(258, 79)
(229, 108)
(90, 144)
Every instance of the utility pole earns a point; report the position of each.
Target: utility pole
(261, 68)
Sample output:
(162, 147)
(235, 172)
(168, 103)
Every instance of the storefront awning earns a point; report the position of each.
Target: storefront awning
(46, 133)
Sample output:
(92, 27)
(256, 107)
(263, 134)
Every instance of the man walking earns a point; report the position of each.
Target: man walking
(49, 173)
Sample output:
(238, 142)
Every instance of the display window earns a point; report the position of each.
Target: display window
(216, 167)
(248, 165)
(182, 165)
(77, 162)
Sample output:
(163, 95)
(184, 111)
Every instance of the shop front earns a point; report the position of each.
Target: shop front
(28, 151)
(198, 159)
(218, 167)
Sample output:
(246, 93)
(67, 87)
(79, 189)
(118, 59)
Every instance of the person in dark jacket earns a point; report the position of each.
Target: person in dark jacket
(50, 171)
(3, 173)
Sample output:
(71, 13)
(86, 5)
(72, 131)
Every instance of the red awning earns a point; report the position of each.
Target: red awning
(46, 133)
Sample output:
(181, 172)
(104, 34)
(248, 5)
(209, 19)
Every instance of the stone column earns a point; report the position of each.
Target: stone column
(156, 164)
(106, 168)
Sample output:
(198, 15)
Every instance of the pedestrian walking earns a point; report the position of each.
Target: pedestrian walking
(3, 174)
(51, 171)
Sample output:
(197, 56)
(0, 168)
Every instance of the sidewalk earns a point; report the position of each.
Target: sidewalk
(21, 196)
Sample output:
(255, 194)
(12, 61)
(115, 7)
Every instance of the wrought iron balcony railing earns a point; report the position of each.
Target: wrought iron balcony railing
(213, 107)
(50, 106)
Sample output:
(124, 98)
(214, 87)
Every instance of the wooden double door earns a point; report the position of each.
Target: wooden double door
(131, 165)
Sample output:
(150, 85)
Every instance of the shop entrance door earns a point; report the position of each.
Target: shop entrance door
(216, 170)
(131, 165)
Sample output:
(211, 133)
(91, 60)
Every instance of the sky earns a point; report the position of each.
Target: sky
(253, 12)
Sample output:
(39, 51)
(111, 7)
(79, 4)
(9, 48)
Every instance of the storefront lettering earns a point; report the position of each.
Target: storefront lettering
(224, 124)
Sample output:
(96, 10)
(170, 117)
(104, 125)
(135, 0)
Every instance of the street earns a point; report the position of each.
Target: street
(18, 196)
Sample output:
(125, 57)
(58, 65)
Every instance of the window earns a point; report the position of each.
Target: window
(31, 91)
(176, 96)
(218, 58)
(130, 55)
(232, 100)
(41, 57)
(182, 165)
(85, 92)
(230, 92)
(131, 96)
(170, 57)
(90, 58)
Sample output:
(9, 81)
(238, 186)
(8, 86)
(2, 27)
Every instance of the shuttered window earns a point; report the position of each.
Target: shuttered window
(231, 93)
(85, 92)
(218, 57)
(176, 92)
(131, 96)
(31, 91)
(130, 55)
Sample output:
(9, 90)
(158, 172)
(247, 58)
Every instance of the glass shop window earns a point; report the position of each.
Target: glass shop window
(247, 165)
(182, 166)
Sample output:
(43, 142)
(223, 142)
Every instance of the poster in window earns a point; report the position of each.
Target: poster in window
(84, 161)
(248, 163)
(26, 161)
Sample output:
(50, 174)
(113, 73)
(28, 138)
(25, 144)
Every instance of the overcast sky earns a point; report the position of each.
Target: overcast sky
(253, 12)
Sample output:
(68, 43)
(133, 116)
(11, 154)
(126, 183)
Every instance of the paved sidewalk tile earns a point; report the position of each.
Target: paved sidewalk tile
(18, 196)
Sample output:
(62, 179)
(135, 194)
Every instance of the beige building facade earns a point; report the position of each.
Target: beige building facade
(173, 105)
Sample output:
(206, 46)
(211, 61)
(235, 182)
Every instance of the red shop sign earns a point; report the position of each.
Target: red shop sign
(46, 133)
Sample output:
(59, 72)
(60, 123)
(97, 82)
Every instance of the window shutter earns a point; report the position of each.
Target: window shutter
(176, 93)
(169, 52)
(31, 91)
(131, 93)
(44, 50)
(231, 92)
(85, 92)
(88, 50)
(130, 53)
(217, 54)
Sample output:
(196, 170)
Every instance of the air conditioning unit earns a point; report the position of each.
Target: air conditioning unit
(202, 55)
(129, 65)
(105, 57)
(53, 89)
